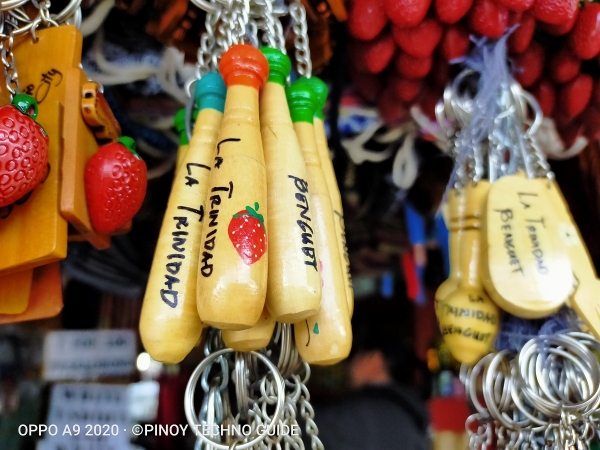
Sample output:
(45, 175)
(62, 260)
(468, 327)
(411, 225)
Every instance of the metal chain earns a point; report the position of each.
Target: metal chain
(300, 28)
(9, 66)
(207, 57)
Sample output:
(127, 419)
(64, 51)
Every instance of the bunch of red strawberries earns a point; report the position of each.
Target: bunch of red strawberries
(401, 51)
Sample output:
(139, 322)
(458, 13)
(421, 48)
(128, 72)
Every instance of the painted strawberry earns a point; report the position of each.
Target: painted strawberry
(564, 65)
(451, 11)
(366, 19)
(585, 36)
(248, 235)
(419, 41)
(115, 185)
(554, 11)
(488, 18)
(520, 39)
(406, 13)
(23, 149)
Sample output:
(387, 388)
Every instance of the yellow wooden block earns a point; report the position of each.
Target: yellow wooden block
(527, 270)
(79, 145)
(14, 292)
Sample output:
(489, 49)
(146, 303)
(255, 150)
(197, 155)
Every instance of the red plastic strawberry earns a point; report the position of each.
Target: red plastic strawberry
(410, 67)
(391, 110)
(564, 65)
(419, 41)
(574, 96)
(373, 56)
(585, 36)
(455, 42)
(530, 64)
(404, 89)
(366, 85)
(562, 28)
(23, 149)
(545, 94)
(451, 11)
(440, 73)
(115, 185)
(406, 13)
(517, 5)
(247, 234)
(428, 100)
(488, 18)
(520, 39)
(366, 19)
(554, 11)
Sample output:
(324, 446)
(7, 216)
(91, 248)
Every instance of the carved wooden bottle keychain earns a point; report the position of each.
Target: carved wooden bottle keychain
(326, 337)
(456, 211)
(321, 91)
(232, 270)
(294, 283)
(468, 318)
(169, 322)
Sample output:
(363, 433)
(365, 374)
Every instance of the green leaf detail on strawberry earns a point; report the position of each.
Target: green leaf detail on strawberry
(23, 149)
(248, 235)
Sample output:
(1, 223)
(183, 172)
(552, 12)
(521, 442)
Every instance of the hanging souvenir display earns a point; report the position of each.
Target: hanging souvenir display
(514, 246)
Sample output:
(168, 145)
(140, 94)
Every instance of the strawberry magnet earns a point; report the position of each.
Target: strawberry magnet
(115, 185)
(23, 149)
(247, 234)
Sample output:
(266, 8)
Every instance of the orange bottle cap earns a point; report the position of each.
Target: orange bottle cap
(245, 65)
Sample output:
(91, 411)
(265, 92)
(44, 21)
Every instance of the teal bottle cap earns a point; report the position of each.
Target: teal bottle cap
(321, 92)
(210, 92)
(280, 65)
(301, 100)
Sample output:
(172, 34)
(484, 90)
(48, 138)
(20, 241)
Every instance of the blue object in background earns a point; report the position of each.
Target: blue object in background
(387, 285)
(442, 236)
(415, 224)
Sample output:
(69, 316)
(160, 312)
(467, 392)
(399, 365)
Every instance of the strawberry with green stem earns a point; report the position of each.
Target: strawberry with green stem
(248, 235)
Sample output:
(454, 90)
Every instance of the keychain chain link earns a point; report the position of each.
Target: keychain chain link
(300, 28)
(11, 76)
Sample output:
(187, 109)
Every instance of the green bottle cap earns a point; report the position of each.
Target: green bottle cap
(301, 100)
(279, 65)
(321, 91)
(180, 127)
(210, 92)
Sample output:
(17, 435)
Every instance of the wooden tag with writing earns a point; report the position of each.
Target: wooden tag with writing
(585, 300)
(45, 296)
(526, 270)
(98, 115)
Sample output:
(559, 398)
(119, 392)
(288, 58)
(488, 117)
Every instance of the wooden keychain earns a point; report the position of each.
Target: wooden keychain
(253, 338)
(184, 142)
(469, 320)
(456, 211)
(326, 337)
(294, 283)
(321, 91)
(169, 324)
(232, 271)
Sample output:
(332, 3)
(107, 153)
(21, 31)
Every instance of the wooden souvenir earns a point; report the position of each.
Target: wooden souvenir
(4, 93)
(526, 269)
(468, 318)
(253, 338)
(79, 145)
(321, 92)
(456, 211)
(232, 271)
(326, 337)
(45, 296)
(34, 233)
(98, 115)
(585, 300)
(294, 282)
(14, 292)
(169, 324)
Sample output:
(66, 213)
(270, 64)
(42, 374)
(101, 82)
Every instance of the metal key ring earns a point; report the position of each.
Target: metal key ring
(191, 388)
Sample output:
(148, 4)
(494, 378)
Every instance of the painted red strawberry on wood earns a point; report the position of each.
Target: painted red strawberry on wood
(248, 235)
